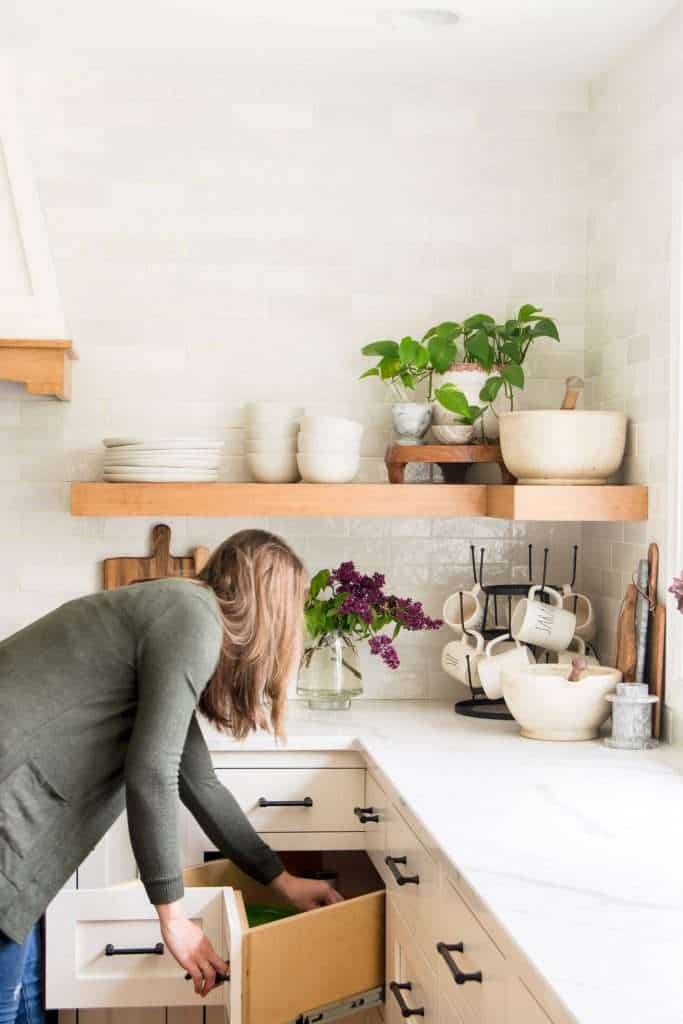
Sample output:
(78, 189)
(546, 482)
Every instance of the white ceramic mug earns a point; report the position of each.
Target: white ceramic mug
(472, 609)
(586, 625)
(577, 648)
(543, 625)
(491, 666)
(454, 658)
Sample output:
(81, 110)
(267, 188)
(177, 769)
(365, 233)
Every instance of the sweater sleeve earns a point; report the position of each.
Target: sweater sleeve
(219, 814)
(175, 659)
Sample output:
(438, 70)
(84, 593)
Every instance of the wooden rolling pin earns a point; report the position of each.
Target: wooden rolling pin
(574, 387)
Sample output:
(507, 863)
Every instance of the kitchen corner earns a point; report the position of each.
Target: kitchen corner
(581, 888)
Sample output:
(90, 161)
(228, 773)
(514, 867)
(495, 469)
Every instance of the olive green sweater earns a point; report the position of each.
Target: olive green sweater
(97, 712)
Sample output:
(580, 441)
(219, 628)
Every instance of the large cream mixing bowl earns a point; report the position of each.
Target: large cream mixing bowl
(563, 446)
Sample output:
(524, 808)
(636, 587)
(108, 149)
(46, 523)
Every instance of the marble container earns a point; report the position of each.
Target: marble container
(411, 421)
(631, 717)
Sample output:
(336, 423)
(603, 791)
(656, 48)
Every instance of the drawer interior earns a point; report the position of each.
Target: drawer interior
(299, 963)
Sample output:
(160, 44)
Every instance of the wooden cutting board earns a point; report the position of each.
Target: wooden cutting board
(119, 572)
(655, 643)
(626, 635)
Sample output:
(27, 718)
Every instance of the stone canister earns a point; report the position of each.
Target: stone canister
(631, 717)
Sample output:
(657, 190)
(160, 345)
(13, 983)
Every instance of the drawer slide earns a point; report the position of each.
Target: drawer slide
(343, 1008)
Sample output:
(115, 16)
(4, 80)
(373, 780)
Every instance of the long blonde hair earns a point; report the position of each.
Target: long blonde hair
(260, 584)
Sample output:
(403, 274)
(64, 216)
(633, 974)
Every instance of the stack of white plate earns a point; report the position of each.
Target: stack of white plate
(271, 441)
(329, 449)
(165, 459)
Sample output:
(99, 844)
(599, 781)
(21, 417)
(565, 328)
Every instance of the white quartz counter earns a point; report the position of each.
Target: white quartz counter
(576, 849)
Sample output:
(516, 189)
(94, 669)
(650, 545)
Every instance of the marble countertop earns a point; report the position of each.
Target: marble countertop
(576, 849)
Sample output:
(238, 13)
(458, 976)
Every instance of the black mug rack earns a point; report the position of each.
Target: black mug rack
(479, 705)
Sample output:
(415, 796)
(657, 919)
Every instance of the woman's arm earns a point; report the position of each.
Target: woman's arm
(174, 660)
(226, 824)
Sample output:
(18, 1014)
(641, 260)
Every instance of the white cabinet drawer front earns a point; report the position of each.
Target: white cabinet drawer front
(314, 799)
(472, 972)
(411, 875)
(410, 984)
(83, 925)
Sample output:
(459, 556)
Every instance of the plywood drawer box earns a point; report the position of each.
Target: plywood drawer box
(304, 799)
(278, 971)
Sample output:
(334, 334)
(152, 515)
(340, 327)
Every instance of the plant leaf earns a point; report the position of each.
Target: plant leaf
(407, 351)
(408, 380)
(318, 583)
(479, 320)
(442, 352)
(545, 328)
(513, 374)
(490, 390)
(389, 367)
(381, 348)
(527, 311)
(374, 372)
(453, 399)
(513, 349)
(448, 329)
(421, 357)
(481, 349)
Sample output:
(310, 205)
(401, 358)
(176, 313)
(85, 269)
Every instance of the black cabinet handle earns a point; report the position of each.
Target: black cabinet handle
(398, 990)
(459, 977)
(306, 802)
(391, 863)
(220, 978)
(111, 950)
(366, 814)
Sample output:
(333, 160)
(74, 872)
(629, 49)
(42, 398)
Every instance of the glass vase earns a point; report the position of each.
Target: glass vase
(329, 674)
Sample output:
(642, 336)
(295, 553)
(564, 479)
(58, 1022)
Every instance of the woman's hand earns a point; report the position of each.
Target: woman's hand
(305, 893)
(190, 947)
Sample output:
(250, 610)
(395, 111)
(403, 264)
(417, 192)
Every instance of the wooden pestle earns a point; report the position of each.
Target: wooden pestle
(574, 387)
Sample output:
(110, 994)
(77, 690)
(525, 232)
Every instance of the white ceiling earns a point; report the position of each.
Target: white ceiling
(496, 39)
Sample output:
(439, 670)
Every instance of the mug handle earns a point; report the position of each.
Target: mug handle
(581, 597)
(555, 596)
(580, 643)
(479, 640)
(498, 639)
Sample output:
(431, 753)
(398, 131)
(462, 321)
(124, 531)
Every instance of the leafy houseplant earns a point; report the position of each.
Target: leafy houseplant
(343, 609)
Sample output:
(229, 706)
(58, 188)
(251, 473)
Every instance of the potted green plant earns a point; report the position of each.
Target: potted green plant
(408, 366)
(450, 399)
(493, 355)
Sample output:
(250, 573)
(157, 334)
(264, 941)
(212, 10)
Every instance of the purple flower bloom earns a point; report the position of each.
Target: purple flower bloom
(676, 589)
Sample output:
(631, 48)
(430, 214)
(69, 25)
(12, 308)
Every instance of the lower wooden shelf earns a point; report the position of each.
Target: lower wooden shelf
(626, 503)
(43, 366)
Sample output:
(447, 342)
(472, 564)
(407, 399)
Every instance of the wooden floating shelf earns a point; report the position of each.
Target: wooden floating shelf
(43, 366)
(431, 501)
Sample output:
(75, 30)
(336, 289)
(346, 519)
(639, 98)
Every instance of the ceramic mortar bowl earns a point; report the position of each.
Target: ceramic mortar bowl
(549, 707)
(457, 433)
(411, 421)
(558, 446)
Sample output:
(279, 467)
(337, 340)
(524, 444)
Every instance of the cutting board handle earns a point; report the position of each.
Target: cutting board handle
(161, 549)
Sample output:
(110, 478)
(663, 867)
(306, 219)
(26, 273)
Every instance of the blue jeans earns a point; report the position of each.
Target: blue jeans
(21, 980)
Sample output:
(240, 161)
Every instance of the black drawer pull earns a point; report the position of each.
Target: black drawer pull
(111, 950)
(391, 863)
(398, 990)
(459, 977)
(306, 802)
(366, 814)
(220, 978)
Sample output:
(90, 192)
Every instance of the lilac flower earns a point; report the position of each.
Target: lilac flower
(355, 604)
(676, 589)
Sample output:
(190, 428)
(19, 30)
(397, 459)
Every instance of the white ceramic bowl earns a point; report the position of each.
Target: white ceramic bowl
(328, 467)
(459, 433)
(279, 432)
(332, 426)
(323, 443)
(549, 707)
(273, 467)
(277, 444)
(269, 412)
(556, 446)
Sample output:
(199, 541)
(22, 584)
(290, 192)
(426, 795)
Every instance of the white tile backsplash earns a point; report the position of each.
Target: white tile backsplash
(224, 231)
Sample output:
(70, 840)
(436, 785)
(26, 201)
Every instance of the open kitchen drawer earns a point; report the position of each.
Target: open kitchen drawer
(103, 946)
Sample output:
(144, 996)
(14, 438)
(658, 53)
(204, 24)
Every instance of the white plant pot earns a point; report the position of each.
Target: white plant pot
(556, 446)
(411, 421)
(457, 433)
(470, 379)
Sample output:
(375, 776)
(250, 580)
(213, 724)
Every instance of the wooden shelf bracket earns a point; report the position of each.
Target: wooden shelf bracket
(43, 366)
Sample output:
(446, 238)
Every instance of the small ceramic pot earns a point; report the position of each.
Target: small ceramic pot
(470, 379)
(411, 421)
(459, 433)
